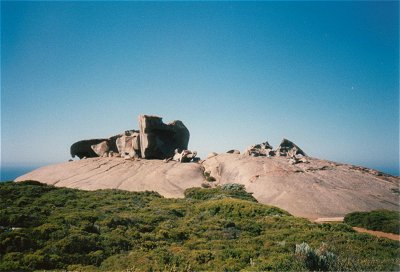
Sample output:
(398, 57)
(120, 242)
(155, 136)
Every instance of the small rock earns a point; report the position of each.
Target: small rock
(184, 156)
(233, 151)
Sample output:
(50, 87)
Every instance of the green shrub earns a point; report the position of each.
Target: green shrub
(381, 220)
(227, 190)
(315, 260)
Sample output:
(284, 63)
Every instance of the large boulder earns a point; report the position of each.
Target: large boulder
(289, 149)
(84, 149)
(159, 140)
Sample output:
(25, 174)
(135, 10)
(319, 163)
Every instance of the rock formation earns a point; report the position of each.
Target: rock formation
(154, 140)
(263, 149)
(315, 189)
(289, 149)
(285, 177)
(159, 140)
(83, 149)
(184, 156)
(285, 149)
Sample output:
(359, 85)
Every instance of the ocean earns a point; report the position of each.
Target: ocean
(11, 173)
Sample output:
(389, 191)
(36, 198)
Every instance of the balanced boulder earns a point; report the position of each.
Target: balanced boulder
(159, 140)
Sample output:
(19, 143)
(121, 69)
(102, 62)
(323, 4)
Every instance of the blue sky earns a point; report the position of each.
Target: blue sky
(324, 75)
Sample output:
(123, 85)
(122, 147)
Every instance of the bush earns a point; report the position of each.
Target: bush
(315, 260)
(227, 190)
(381, 220)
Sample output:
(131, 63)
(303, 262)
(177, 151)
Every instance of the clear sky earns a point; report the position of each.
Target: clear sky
(323, 74)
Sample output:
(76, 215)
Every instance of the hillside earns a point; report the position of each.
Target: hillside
(312, 189)
(45, 227)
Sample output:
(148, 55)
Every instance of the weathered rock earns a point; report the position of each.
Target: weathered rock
(84, 148)
(310, 188)
(129, 144)
(263, 149)
(288, 148)
(159, 140)
(113, 154)
(233, 151)
(184, 156)
(154, 140)
(169, 179)
(101, 148)
(315, 189)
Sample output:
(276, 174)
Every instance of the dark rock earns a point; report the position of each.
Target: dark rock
(159, 140)
(289, 149)
(84, 148)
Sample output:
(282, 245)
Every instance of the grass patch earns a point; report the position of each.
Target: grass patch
(226, 190)
(223, 229)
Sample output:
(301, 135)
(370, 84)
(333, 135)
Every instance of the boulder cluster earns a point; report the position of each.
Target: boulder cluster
(153, 140)
(156, 140)
(285, 149)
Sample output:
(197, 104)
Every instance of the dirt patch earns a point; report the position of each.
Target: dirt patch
(391, 236)
(329, 219)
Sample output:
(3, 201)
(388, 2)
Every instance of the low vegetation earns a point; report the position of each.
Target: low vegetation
(381, 220)
(224, 229)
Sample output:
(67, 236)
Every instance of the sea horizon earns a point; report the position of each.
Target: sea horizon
(10, 173)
